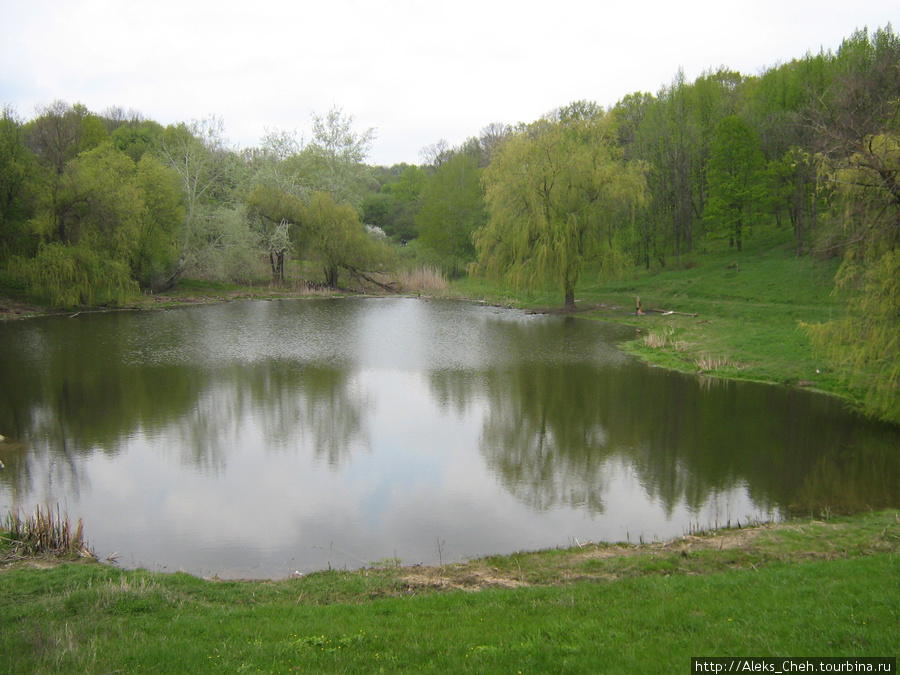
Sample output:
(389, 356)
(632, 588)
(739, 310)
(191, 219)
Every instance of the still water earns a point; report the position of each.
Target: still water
(256, 439)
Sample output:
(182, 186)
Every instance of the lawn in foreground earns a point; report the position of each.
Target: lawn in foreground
(805, 589)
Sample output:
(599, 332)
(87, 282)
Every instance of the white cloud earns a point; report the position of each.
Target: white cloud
(415, 71)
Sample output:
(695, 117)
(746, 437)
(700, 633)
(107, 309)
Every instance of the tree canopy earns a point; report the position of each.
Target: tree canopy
(453, 209)
(552, 190)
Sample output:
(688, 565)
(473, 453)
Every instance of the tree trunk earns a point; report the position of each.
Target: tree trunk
(175, 277)
(570, 300)
(276, 260)
(331, 276)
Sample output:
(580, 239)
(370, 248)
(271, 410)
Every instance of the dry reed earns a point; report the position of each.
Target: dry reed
(659, 339)
(707, 362)
(44, 533)
(424, 279)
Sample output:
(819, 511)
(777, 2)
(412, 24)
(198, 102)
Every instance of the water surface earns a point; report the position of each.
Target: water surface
(262, 438)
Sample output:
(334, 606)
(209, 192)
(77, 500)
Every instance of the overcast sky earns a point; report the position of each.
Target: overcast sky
(416, 71)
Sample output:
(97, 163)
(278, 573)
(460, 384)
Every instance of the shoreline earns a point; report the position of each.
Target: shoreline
(701, 552)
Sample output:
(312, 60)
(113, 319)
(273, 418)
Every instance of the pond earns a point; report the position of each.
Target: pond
(257, 439)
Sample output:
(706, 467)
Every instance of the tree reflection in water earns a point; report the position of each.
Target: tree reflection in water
(386, 420)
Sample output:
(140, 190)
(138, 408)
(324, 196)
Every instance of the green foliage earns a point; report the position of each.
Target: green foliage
(208, 175)
(20, 184)
(553, 191)
(395, 218)
(75, 275)
(225, 248)
(278, 216)
(734, 178)
(138, 140)
(409, 187)
(120, 220)
(156, 247)
(669, 139)
(453, 208)
(99, 203)
(867, 340)
(337, 238)
(126, 211)
(62, 131)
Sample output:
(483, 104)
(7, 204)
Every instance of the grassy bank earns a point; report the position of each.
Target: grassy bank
(798, 589)
(735, 317)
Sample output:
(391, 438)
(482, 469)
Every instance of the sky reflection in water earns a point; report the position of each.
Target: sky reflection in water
(260, 438)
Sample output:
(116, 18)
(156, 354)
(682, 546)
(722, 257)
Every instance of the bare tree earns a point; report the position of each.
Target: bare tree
(436, 154)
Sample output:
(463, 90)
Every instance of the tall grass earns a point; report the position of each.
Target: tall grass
(659, 339)
(46, 532)
(424, 279)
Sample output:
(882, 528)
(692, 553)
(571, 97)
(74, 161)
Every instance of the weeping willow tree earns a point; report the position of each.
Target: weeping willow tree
(72, 276)
(865, 342)
(556, 192)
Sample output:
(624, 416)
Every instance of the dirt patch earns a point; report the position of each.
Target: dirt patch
(14, 562)
(459, 578)
(722, 540)
(12, 309)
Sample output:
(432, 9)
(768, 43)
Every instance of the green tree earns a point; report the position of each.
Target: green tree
(668, 140)
(453, 208)
(735, 178)
(138, 140)
(99, 202)
(62, 131)
(131, 212)
(858, 128)
(865, 341)
(792, 186)
(551, 191)
(97, 230)
(409, 187)
(395, 208)
(278, 212)
(338, 239)
(20, 183)
(156, 248)
(649, 235)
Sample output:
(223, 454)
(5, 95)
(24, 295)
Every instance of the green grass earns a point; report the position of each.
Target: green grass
(749, 308)
(800, 589)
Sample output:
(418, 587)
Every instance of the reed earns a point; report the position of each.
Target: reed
(659, 339)
(707, 362)
(424, 279)
(46, 532)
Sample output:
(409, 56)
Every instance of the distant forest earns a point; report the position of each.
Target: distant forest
(96, 207)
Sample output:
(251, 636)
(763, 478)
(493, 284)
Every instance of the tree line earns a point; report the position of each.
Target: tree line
(95, 207)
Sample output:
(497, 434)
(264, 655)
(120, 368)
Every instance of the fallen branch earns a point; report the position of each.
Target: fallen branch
(360, 273)
(666, 312)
